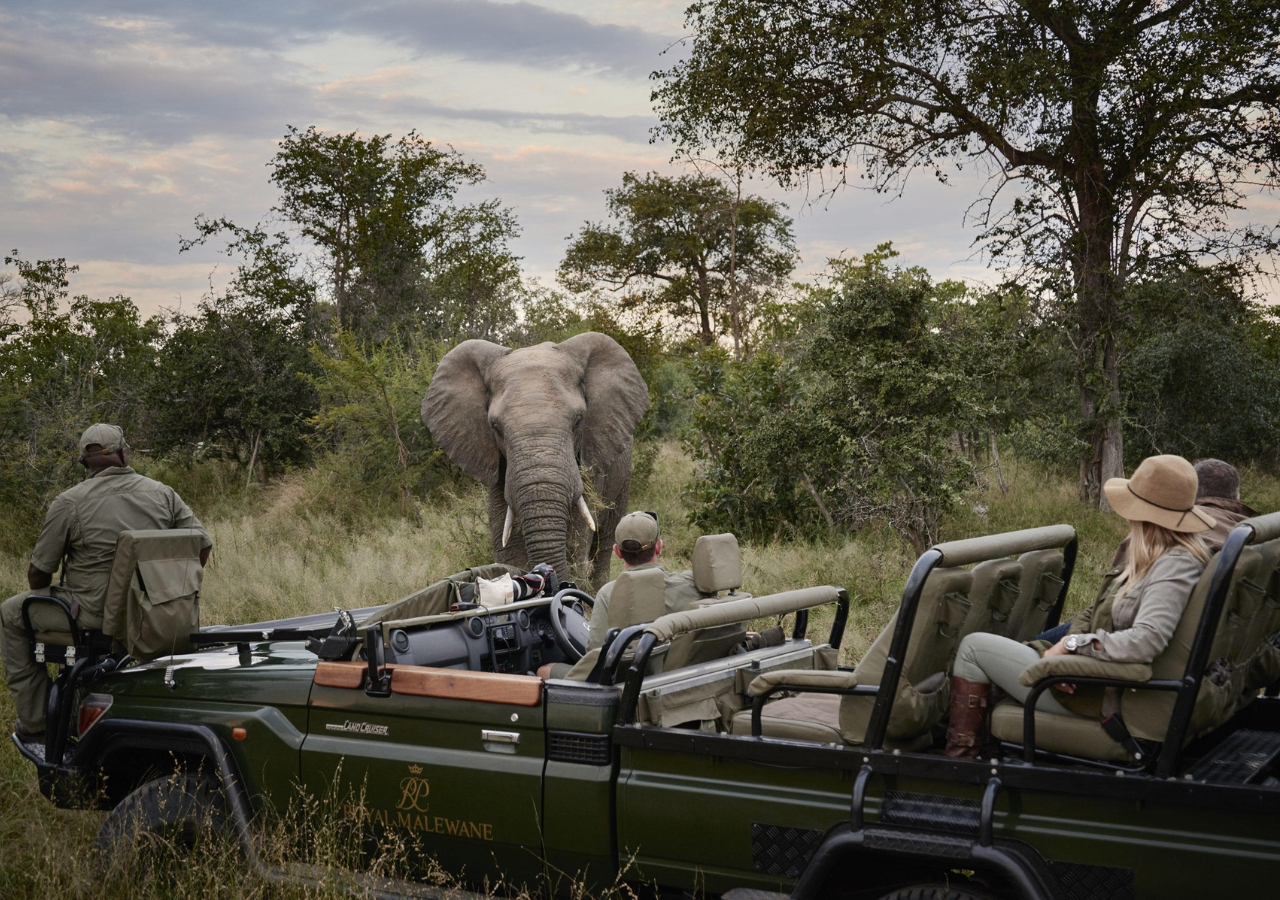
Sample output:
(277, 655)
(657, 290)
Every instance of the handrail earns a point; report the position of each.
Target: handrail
(1219, 586)
(1009, 543)
(668, 626)
(1029, 708)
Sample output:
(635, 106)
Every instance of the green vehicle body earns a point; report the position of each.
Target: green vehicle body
(576, 783)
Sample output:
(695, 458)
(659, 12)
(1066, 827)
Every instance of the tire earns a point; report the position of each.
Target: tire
(167, 820)
(937, 892)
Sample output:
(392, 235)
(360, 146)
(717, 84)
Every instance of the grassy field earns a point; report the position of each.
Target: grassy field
(300, 546)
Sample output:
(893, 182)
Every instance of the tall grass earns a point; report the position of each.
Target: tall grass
(307, 543)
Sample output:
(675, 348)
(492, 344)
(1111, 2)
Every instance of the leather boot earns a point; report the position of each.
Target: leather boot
(968, 728)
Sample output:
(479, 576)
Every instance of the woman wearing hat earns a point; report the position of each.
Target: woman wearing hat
(1145, 602)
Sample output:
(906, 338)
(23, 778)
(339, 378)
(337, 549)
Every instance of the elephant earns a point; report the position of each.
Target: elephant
(527, 423)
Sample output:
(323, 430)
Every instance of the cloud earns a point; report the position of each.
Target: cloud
(522, 32)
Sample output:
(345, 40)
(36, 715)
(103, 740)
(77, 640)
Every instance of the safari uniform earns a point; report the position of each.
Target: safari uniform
(80, 533)
(681, 594)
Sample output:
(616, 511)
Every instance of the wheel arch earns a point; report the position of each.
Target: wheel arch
(893, 858)
(125, 750)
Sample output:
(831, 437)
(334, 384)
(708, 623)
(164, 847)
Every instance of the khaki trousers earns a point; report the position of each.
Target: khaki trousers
(29, 680)
(989, 658)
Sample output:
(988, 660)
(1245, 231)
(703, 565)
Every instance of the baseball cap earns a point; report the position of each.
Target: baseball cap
(109, 437)
(637, 531)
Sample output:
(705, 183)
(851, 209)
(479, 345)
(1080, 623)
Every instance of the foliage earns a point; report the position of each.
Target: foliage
(860, 424)
(1202, 370)
(688, 247)
(65, 363)
(1129, 132)
(230, 383)
(400, 252)
(368, 415)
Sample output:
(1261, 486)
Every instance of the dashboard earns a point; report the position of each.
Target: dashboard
(491, 641)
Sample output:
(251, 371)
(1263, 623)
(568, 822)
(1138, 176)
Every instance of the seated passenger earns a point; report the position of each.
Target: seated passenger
(1218, 490)
(1133, 617)
(637, 542)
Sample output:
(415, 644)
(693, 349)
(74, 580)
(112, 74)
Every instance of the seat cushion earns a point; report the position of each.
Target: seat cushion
(1075, 735)
(804, 717)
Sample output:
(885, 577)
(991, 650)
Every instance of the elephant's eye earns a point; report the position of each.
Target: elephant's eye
(577, 423)
(497, 429)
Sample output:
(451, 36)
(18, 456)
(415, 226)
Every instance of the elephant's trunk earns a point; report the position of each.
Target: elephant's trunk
(544, 493)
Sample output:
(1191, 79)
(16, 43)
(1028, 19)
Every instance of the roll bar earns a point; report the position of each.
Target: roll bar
(728, 612)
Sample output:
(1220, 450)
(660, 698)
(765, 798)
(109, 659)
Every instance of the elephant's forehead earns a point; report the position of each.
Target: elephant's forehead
(542, 364)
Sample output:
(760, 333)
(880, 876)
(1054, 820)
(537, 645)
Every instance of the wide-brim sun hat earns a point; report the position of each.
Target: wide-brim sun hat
(1162, 491)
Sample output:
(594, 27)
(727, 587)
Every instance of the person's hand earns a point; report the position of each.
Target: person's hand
(1058, 649)
(1065, 688)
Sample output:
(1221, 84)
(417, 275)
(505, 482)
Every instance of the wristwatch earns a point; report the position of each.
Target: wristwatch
(1074, 642)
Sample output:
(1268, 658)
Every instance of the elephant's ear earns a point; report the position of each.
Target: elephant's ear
(456, 409)
(617, 397)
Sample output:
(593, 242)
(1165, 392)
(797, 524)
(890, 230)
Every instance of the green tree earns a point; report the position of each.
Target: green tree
(400, 252)
(230, 379)
(690, 247)
(860, 424)
(1126, 130)
(65, 362)
(1201, 367)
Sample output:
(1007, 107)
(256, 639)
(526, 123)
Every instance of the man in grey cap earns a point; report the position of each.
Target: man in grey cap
(79, 534)
(637, 542)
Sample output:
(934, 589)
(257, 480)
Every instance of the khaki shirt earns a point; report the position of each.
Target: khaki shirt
(681, 594)
(83, 523)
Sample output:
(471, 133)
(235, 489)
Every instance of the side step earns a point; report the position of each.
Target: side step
(1237, 759)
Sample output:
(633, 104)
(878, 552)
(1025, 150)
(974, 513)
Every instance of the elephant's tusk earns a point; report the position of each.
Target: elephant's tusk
(582, 505)
(506, 526)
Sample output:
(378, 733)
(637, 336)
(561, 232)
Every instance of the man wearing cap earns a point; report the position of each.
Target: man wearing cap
(79, 534)
(637, 542)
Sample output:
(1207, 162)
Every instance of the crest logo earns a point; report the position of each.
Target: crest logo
(415, 770)
(413, 794)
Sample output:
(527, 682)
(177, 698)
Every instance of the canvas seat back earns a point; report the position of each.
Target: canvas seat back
(717, 565)
(1039, 588)
(993, 597)
(639, 596)
(153, 595)
(922, 691)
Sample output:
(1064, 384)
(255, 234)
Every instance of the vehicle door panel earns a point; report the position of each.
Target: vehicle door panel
(462, 779)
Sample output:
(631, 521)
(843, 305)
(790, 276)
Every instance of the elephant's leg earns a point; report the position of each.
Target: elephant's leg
(514, 554)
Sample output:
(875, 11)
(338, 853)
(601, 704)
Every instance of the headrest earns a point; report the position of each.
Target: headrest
(717, 563)
(639, 596)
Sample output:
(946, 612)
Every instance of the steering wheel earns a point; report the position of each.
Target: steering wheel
(569, 621)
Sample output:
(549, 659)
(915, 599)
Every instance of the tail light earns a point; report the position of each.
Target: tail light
(91, 711)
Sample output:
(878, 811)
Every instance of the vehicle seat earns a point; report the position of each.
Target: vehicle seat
(923, 690)
(1039, 587)
(717, 566)
(1224, 691)
(993, 597)
(639, 597)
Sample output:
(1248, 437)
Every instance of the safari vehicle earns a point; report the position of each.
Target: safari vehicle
(754, 775)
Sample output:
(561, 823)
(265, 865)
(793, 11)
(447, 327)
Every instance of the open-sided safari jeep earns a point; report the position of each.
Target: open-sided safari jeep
(670, 759)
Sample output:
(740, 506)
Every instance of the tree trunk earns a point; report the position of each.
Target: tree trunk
(1098, 357)
(704, 306)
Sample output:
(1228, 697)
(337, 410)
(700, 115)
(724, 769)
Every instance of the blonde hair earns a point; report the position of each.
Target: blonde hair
(1149, 541)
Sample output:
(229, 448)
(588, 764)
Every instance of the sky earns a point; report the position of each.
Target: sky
(121, 120)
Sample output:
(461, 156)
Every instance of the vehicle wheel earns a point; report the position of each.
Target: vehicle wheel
(937, 892)
(166, 821)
